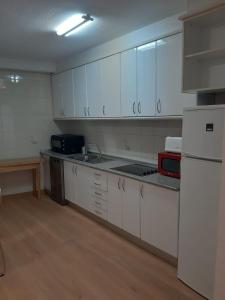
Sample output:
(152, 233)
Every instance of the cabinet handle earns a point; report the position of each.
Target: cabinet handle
(76, 170)
(98, 194)
(73, 169)
(141, 191)
(98, 184)
(123, 185)
(134, 108)
(118, 184)
(139, 107)
(159, 106)
(85, 112)
(88, 111)
(96, 174)
(98, 203)
(103, 110)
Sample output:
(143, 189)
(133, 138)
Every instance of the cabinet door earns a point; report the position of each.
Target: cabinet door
(170, 100)
(129, 83)
(70, 182)
(94, 89)
(115, 203)
(83, 191)
(131, 206)
(146, 79)
(159, 218)
(57, 99)
(67, 94)
(80, 91)
(110, 83)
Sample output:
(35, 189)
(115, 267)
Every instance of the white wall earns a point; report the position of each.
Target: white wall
(134, 139)
(148, 33)
(25, 122)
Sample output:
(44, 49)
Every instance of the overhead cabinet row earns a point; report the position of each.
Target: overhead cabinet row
(141, 82)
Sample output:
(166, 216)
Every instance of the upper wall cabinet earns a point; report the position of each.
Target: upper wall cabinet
(63, 98)
(170, 100)
(204, 51)
(94, 94)
(110, 85)
(80, 91)
(129, 83)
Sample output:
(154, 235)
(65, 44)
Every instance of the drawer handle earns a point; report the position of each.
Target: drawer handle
(98, 212)
(141, 191)
(98, 194)
(118, 184)
(96, 174)
(98, 184)
(98, 203)
(134, 112)
(123, 185)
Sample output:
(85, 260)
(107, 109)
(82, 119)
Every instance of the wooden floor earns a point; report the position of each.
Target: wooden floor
(56, 253)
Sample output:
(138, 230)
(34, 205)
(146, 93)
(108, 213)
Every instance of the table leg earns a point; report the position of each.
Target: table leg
(36, 182)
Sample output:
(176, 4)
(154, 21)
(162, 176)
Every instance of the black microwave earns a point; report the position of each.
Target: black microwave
(67, 143)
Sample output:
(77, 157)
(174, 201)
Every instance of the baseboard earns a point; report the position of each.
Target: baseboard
(138, 242)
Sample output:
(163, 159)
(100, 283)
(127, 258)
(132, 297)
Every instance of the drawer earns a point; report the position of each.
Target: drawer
(101, 213)
(96, 193)
(99, 203)
(100, 180)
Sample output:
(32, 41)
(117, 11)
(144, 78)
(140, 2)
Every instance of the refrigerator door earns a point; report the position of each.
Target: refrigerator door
(199, 202)
(203, 133)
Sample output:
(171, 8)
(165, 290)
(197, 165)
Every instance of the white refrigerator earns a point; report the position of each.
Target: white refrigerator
(203, 130)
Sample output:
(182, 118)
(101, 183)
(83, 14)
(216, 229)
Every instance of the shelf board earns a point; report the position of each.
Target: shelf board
(208, 54)
(206, 90)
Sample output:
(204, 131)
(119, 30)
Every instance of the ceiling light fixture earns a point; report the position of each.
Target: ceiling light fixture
(74, 23)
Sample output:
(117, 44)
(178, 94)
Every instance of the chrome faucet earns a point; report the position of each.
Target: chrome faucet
(98, 149)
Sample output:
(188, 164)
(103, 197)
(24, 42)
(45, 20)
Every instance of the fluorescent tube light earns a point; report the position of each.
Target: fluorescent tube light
(73, 24)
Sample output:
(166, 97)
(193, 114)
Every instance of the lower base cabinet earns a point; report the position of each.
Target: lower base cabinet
(159, 218)
(144, 210)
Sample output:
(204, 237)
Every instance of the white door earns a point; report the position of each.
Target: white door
(67, 94)
(131, 206)
(110, 83)
(203, 132)
(129, 105)
(70, 181)
(83, 190)
(57, 99)
(94, 94)
(199, 201)
(80, 91)
(146, 79)
(159, 218)
(170, 100)
(115, 203)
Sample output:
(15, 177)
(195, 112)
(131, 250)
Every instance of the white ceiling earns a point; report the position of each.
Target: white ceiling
(27, 26)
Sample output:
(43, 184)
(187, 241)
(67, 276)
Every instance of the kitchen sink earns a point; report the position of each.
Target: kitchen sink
(91, 158)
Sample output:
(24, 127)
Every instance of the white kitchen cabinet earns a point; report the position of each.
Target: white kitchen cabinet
(94, 93)
(63, 95)
(159, 217)
(70, 183)
(110, 86)
(80, 91)
(115, 200)
(131, 206)
(129, 105)
(83, 186)
(170, 100)
(146, 79)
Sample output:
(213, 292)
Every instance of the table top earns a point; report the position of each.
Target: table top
(20, 162)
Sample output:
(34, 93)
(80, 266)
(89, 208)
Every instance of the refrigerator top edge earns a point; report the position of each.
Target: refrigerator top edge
(205, 107)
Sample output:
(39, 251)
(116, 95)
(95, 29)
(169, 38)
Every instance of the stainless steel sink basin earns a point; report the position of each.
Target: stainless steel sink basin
(91, 158)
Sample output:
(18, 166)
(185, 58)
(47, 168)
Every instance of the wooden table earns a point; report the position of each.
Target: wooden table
(25, 164)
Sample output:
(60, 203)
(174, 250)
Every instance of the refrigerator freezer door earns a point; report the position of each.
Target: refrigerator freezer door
(199, 201)
(203, 133)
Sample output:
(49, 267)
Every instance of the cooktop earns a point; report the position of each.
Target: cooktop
(136, 169)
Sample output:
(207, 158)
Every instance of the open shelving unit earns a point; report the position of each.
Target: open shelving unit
(204, 51)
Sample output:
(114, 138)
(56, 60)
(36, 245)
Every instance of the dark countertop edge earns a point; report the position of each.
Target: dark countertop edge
(109, 170)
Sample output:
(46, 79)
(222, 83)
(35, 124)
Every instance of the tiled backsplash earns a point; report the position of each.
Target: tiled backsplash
(135, 139)
(26, 121)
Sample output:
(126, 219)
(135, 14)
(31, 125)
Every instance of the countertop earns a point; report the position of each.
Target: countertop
(156, 179)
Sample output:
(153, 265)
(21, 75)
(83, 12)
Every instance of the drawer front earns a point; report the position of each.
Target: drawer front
(99, 203)
(100, 181)
(96, 193)
(101, 213)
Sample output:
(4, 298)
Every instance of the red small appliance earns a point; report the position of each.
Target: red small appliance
(169, 164)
